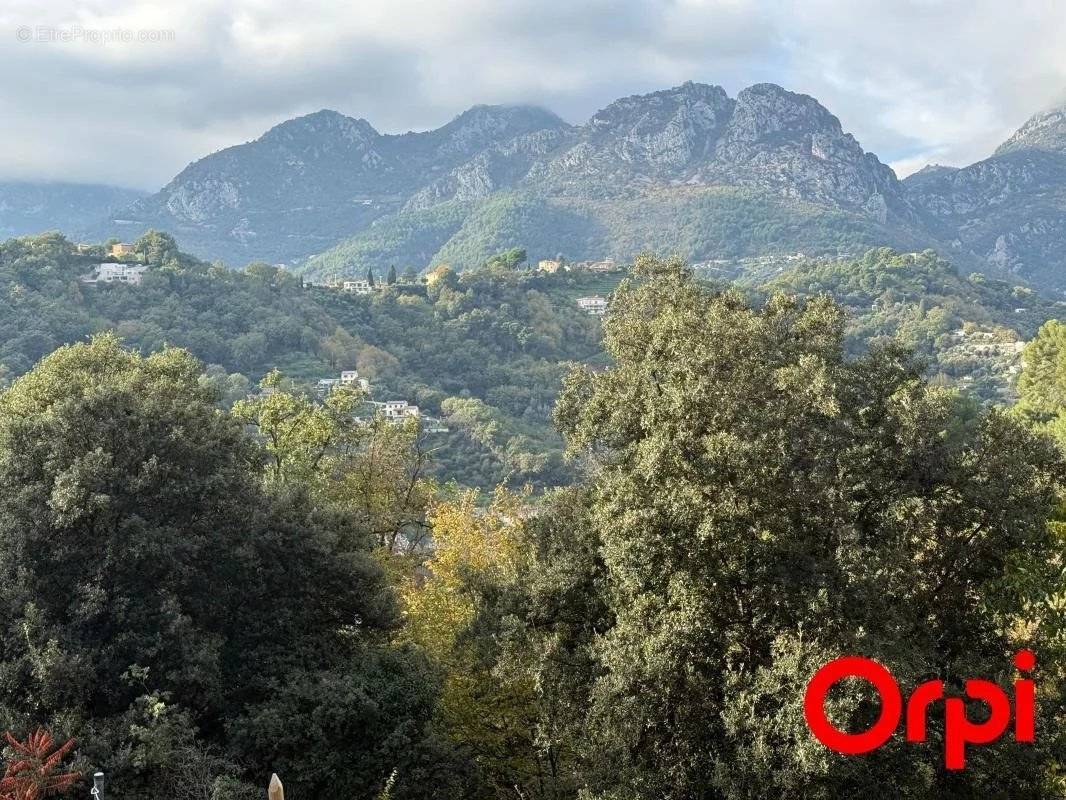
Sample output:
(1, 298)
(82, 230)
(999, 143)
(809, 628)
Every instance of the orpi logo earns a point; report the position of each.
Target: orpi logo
(959, 730)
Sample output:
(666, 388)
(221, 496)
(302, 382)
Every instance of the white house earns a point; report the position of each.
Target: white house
(350, 377)
(595, 305)
(326, 385)
(606, 265)
(116, 273)
(358, 287)
(396, 410)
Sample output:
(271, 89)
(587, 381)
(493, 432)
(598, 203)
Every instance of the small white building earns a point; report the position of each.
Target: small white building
(594, 305)
(116, 273)
(326, 385)
(396, 410)
(607, 265)
(350, 377)
(358, 287)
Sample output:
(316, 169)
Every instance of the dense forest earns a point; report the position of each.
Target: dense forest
(730, 222)
(969, 330)
(201, 592)
(485, 349)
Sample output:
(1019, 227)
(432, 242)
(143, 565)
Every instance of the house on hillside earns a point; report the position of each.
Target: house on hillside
(350, 377)
(550, 265)
(358, 287)
(594, 305)
(607, 265)
(397, 410)
(121, 249)
(326, 385)
(116, 273)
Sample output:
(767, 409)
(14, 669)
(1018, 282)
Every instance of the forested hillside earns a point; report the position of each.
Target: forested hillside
(755, 486)
(697, 222)
(485, 349)
(270, 603)
(969, 329)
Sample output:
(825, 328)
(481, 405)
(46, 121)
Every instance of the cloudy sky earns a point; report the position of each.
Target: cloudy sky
(129, 91)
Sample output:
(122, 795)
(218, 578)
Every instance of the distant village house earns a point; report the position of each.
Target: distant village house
(358, 287)
(116, 273)
(607, 265)
(594, 305)
(121, 249)
(350, 377)
(396, 410)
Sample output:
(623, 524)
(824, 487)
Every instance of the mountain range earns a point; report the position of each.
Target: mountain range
(688, 170)
(29, 207)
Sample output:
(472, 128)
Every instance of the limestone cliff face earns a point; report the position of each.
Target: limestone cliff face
(1043, 131)
(1008, 210)
(693, 135)
(661, 137)
(790, 144)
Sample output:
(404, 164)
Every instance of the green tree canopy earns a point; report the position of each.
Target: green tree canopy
(508, 259)
(758, 504)
(155, 599)
(1042, 382)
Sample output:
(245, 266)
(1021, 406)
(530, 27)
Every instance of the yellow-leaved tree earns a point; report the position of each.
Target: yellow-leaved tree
(490, 713)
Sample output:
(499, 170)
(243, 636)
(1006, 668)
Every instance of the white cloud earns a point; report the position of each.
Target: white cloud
(912, 79)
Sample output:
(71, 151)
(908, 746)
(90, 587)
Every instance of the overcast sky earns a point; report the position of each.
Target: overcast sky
(916, 81)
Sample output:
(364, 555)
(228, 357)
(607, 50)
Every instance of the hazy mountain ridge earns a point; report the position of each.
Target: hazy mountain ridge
(687, 169)
(1008, 211)
(647, 168)
(31, 207)
(309, 181)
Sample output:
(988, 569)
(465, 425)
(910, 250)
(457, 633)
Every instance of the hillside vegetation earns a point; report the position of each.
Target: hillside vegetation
(485, 349)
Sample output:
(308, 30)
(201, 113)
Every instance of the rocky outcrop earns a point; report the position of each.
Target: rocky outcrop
(790, 144)
(1009, 210)
(1044, 131)
(660, 137)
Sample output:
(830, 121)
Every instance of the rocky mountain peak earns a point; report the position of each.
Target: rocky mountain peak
(791, 145)
(312, 180)
(319, 127)
(1043, 131)
(505, 118)
(694, 105)
(766, 112)
(662, 135)
(483, 125)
